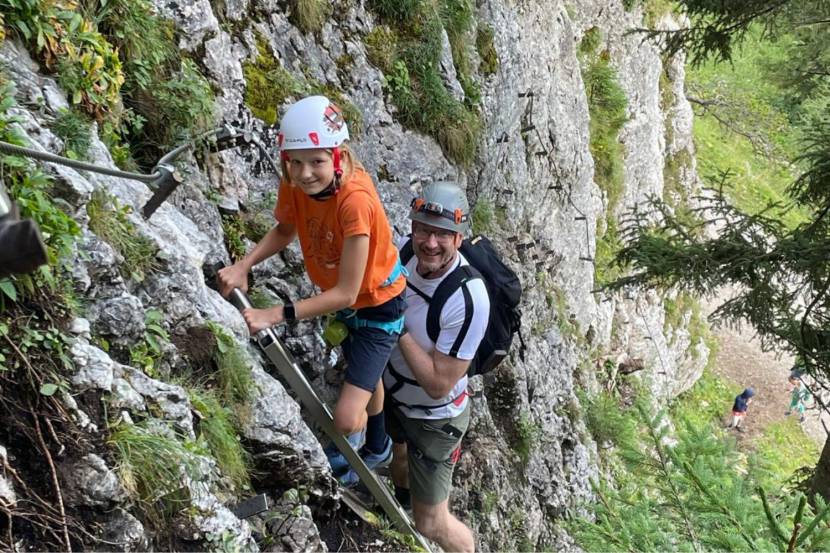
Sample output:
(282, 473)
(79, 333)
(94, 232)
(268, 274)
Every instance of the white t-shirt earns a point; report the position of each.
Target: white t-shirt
(451, 341)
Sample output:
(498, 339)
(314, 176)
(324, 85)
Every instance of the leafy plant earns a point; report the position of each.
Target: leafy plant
(31, 189)
(147, 354)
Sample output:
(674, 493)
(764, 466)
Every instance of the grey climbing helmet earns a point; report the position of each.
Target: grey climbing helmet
(443, 205)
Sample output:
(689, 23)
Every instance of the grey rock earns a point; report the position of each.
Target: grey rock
(89, 482)
(124, 532)
(94, 368)
(291, 526)
(120, 318)
(281, 440)
(194, 19)
(171, 399)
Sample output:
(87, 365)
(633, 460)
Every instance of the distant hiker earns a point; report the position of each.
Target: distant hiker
(740, 407)
(328, 200)
(427, 408)
(799, 394)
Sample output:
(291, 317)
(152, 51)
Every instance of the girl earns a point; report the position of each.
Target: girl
(328, 200)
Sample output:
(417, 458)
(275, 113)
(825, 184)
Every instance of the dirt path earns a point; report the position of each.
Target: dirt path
(741, 361)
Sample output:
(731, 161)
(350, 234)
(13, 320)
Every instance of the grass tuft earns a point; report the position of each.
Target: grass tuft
(234, 369)
(152, 465)
(111, 223)
(217, 429)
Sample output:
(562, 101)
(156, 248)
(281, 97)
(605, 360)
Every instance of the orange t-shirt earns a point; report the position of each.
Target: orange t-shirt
(323, 225)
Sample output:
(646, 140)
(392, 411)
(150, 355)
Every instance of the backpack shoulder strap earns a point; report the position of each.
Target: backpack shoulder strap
(455, 280)
(407, 252)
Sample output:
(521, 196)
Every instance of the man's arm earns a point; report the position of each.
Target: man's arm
(436, 373)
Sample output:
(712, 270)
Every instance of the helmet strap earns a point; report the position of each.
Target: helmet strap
(338, 170)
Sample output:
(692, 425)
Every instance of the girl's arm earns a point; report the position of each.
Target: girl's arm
(236, 276)
(353, 261)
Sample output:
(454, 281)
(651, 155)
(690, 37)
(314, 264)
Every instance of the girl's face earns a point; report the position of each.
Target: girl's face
(312, 170)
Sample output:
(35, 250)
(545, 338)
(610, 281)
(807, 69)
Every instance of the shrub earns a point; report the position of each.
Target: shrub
(527, 437)
(483, 216)
(89, 68)
(606, 420)
(412, 71)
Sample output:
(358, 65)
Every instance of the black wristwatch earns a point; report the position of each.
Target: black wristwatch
(288, 312)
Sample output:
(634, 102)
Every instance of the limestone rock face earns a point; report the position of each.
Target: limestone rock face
(528, 460)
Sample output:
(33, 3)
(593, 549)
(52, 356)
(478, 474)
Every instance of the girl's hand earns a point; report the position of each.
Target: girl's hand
(235, 276)
(260, 319)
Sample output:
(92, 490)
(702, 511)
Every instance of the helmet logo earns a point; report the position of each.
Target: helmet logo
(314, 138)
(333, 118)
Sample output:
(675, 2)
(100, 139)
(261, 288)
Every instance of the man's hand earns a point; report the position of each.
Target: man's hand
(260, 319)
(235, 276)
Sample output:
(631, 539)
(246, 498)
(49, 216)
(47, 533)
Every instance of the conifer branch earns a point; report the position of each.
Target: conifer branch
(777, 531)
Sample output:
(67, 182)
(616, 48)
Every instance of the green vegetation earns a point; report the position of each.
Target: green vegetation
(486, 50)
(309, 15)
(381, 47)
(410, 63)
(148, 354)
(483, 217)
(234, 371)
(31, 189)
(607, 422)
(607, 108)
(234, 230)
(677, 308)
(686, 483)
(268, 85)
(526, 437)
(110, 221)
(152, 464)
(216, 427)
(73, 128)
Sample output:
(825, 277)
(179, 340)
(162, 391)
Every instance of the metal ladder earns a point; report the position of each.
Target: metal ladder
(293, 375)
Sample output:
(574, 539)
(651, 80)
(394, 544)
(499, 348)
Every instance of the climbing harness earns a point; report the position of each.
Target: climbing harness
(164, 179)
(282, 359)
(349, 317)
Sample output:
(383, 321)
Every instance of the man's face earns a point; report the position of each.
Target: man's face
(434, 247)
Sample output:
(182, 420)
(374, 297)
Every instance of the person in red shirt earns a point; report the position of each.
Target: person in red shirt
(327, 199)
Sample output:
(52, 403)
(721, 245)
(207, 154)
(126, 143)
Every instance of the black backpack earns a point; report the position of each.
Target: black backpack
(504, 289)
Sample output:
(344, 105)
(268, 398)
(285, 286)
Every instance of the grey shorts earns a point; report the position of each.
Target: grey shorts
(433, 448)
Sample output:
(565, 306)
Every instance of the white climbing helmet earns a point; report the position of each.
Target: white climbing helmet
(313, 122)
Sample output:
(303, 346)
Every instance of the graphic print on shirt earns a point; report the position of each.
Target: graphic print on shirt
(323, 248)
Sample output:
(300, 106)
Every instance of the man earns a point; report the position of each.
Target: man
(428, 410)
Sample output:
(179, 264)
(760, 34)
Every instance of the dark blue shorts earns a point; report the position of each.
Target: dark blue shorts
(367, 349)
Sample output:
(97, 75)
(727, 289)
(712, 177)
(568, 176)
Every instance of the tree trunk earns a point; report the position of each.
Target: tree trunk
(820, 482)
